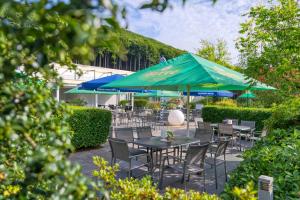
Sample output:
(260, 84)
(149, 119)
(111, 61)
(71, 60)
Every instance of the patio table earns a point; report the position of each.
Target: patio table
(237, 128)
(159, 144)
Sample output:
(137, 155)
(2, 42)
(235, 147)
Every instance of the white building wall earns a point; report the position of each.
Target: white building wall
(71, 80)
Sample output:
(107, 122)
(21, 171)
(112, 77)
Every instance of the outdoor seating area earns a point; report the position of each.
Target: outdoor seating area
(140, 144)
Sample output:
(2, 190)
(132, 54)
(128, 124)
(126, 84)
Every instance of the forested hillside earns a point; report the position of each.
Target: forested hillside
(141, 52)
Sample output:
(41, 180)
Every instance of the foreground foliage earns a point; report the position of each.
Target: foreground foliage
(34, 142)
(34, 146)
(276, 156)
(123, 189)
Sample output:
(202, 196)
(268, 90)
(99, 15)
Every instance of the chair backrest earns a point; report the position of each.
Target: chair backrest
(144, 132)
(124, 134)
(264, 132)
(119, 149)
(110, 133)
(221, 148)
(196, 154)
(234, 121)
(250, 124)
(129, 115)
(204, 135)
(203, 125)
(225, 129)
(198, 119)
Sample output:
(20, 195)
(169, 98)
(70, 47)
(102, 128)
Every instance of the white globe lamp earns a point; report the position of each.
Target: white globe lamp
(175, 118)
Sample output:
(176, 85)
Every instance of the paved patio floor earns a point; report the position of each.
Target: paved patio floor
(233, 157)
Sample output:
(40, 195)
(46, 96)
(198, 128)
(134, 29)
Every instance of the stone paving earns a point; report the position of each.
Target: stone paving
(233, 157)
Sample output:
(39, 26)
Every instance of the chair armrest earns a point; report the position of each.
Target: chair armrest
(256, 133)
(174, 157)
(140, 155)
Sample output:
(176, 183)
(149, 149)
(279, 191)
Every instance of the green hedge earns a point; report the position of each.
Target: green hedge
(277, 156)
(216, 114)
(90, 126)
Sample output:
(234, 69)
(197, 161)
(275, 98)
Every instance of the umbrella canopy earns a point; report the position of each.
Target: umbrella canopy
(159, 93)
(211, 93)
(188, 70)
(248, 95)
(80, 91)
(96, 83)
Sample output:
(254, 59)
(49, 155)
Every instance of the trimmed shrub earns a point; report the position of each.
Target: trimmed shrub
(216, 114)
(90, 126)
(226, 102)
(154, 106)
(77, 102)
(277, 156)
(123, 103)
(140, 103)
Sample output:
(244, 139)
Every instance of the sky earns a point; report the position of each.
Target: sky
(184, 27)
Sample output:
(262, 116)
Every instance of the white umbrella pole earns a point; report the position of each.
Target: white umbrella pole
(57, 93)
(188, 110)
(96, 100)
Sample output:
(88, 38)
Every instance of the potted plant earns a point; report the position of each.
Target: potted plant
(170, 135)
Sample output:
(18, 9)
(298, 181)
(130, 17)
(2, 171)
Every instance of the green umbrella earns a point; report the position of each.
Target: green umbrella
(188, 70)
(158, 93)
(77, 91)
(248, 95)
(185, 73)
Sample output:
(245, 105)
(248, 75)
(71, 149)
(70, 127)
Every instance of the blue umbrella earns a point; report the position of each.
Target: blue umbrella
(97, 83)
(211, 93)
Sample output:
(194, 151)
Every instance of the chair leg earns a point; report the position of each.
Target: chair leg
(162, 170)
(129, 171)
(183, 178)
(111, 161)
(204, 180)
(129, 174)
(216, 177)
(160, 157)
(225, 170)
(188, 178)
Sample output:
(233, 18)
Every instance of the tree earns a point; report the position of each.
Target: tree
(270, 46)
(217, 52)
(34, 135)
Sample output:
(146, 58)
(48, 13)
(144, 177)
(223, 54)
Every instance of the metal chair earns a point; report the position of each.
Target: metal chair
(203, 125)
(250, 124)
(128, 160)
(197, 119)
(261, 134)
(226, 130)
(193, 163)
(219, 151)
(129, 117)
(234, 121)
(124, 134)
(144, 132)
(204, 135)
